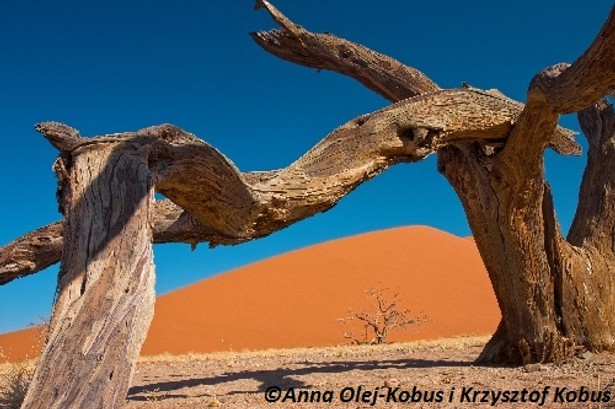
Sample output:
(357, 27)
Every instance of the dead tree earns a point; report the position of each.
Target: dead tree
(556, 293)
(384, 317)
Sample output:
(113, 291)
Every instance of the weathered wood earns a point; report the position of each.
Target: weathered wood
(589, 78)
(514, 243)
(31, 253)
(593, 222)
(105, 295)
(554, 295)
(380, 73)
(225, 206)
(557, 296)
(593, 232)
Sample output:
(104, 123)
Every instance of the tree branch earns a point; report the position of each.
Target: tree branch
(590, 78)
(561, 88)
(239, 207)
(380, 73)
(225, 206)
(62, 137)
(31, 253)
(593, 222)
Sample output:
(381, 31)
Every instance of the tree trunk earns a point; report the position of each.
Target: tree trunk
(556, 296)
(105, 297)
(511, 237)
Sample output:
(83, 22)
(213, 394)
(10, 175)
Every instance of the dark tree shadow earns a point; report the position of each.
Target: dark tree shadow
(283, 377)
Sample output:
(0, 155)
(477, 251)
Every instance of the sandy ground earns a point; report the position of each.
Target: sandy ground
(350, 377)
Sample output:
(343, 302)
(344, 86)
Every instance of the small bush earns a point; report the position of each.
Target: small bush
(14, 384)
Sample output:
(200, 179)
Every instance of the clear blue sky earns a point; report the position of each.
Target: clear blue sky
(122, 65)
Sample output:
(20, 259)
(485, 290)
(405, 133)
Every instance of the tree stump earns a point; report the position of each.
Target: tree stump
(105, 296)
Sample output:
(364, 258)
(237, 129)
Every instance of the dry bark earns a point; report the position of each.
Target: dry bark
(31, 253)
(105, 295)
(555, 297)
(380, 73)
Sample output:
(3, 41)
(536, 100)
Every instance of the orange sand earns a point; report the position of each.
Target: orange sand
(294, 299)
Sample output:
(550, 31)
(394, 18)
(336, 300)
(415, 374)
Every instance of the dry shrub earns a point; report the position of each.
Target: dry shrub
(14, 384)
(214, 402)
(384, 316)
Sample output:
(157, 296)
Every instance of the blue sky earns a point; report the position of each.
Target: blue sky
(122, 65)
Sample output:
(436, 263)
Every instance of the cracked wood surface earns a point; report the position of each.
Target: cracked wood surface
(105, 298)
(380, 73)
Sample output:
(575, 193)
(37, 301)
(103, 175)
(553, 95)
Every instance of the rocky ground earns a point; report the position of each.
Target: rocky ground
(434, 374)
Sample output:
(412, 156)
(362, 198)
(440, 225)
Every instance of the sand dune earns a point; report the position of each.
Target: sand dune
(295, 299)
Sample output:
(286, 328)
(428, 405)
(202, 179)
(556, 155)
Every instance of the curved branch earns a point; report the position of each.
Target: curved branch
(589, 78)
(561, 88)
(240, 207)
(593, 222)
(225, 206)
(380, 73)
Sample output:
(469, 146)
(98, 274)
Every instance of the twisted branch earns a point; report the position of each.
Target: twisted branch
(215, 202)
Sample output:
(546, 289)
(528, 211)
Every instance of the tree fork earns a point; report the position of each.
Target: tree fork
(105, 296)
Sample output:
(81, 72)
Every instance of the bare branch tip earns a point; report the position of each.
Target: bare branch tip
(52, 127)
(259, 4)
(556, 69)
(61, 136)
(278, 17)
(546, 76)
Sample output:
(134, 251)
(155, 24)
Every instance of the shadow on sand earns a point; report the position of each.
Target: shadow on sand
(282, 377)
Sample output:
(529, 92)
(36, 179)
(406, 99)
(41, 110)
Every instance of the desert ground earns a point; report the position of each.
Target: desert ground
(347, 377)
(229, 341)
